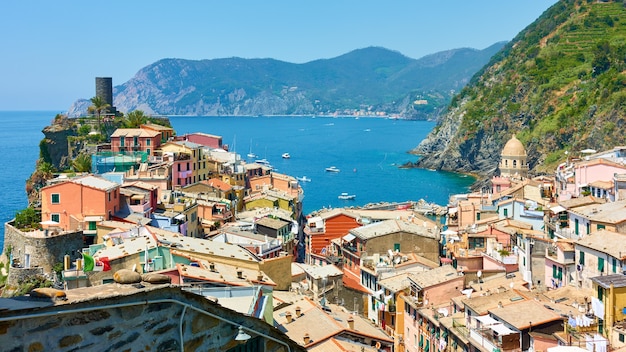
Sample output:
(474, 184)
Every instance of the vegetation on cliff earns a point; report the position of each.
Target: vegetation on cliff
(559, 86)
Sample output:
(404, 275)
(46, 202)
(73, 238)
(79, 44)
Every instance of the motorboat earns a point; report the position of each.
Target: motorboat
(332, 169)
(346, 196)
(303, 179)
(286, 156)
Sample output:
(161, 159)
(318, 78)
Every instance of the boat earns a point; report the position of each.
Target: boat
(303, 179)
(332, 169)
(346, 196)
(251, 155)
(262, 162)
(286, 156)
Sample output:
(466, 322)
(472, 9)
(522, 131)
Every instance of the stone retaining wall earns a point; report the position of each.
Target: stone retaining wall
(43, 251)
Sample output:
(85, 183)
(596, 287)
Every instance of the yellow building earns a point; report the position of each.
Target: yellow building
(200, 166)
(608, 306)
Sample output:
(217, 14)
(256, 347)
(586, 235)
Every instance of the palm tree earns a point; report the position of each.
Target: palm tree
(135, 118)
(98, 106)
(82, 163)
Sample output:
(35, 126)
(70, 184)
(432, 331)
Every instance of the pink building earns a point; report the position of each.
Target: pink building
(204, 139)
(126, 140)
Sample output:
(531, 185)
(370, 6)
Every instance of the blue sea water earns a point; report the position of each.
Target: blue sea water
(19, 149)
(368, 152)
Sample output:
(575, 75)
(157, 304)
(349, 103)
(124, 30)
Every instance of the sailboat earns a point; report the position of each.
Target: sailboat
(251, 155)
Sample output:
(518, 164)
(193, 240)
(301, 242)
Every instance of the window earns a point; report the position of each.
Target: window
(477, 216)
(600, 227)
(109, 195)
(122, 141)
(600, 293)
(614, 265)
(621, 337)
(148, 141)
(559, 274)
(92, 226)
(506, 212)
(554, 271)
(581, 258)
(576, 227)
(588, 228)
(55, 217)
(396, 247)
(55, 198)
(601, 265)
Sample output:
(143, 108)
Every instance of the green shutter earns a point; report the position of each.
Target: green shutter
(581, 258)
(601, 265)
(554, 271)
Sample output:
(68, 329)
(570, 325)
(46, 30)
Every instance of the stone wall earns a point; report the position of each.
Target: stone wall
(44, 251)
(137, 322)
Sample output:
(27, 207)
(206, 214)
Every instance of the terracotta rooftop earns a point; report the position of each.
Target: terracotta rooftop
(525, 314)
(434, 277)
(605, 241)
(387, 227)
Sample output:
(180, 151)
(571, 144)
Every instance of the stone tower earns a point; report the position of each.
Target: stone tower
(513, 159)
(104, 89)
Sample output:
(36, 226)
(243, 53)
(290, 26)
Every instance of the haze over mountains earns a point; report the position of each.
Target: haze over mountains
(374, 80)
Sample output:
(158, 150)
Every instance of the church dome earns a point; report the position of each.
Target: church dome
(513, 148)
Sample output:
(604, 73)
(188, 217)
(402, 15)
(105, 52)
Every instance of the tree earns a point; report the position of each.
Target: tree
(97, 107)
(135, 118)
(82, 163)
(27, 218)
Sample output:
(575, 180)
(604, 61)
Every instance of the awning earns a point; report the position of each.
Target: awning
(93, 218)
(501, 329)
(349, 237)
(448, 232)
(486, 320)
(557, 209)
(452, 210)
(137, 197)
(180, 217)
(48, 222)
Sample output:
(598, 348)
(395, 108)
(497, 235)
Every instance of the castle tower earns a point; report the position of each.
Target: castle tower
(104, 89)
(513, 159)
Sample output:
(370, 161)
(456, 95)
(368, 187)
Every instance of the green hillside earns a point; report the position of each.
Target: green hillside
(373, 79)
(559, 86)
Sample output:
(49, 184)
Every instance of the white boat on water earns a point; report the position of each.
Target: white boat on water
(332, 169)
(346, 196)
(286, 156)
(262, 162)
(303, 179)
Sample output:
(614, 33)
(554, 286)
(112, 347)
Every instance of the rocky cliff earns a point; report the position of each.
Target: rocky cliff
(559, 86)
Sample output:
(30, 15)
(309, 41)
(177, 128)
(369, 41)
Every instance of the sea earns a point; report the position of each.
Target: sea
(368, 151)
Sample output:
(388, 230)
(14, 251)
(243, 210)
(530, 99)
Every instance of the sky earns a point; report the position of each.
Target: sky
(51, 51)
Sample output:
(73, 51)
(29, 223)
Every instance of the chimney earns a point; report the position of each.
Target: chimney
(239, 273)
(212, 267)
(351, 323)
(259, 277)
(298, 311)
(307, 338)
(500, 304)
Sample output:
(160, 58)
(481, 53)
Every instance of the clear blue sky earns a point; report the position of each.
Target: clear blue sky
(51, 51)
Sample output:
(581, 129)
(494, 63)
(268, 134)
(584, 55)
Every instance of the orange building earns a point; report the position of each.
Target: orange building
(322, 229)
(80, 203)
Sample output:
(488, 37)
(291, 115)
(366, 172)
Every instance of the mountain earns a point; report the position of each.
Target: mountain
(372, 79)
(559, 85)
